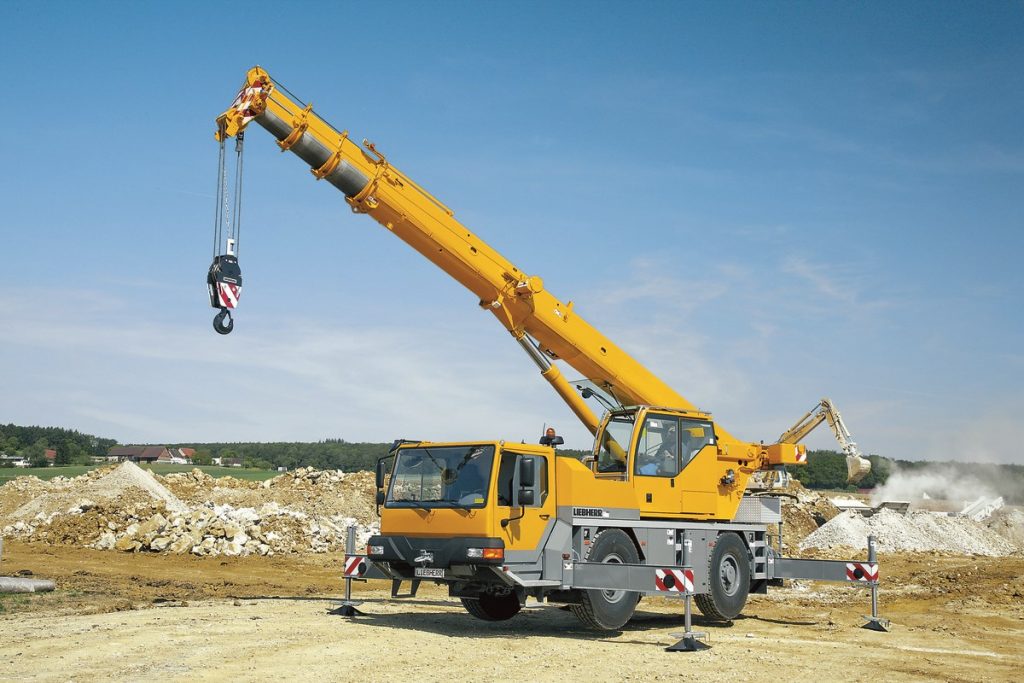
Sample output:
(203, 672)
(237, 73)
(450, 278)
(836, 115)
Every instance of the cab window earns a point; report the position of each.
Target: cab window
(506, 478)
(658, 447)
(693, 436)
(611, 454)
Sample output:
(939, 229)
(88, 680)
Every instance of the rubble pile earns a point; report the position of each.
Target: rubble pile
(803, 511)
(129, 509)
(314, 492)
(916, 531)
(1008, 523)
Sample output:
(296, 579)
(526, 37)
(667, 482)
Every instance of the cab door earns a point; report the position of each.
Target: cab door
(527, 523)
(656, 465)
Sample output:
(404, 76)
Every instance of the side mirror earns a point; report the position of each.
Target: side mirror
(526, 496)
(381, 471)
(556, 441)
(527, 475)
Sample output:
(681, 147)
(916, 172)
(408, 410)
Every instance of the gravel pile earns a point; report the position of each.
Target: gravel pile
(916, 531)
(129, 509)
(1008, 523)
(127, 479)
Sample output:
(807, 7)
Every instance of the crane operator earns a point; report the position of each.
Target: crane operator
(663, 459)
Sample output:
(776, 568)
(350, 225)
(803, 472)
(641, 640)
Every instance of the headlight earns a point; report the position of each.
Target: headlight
(486, 553)
(374, 550)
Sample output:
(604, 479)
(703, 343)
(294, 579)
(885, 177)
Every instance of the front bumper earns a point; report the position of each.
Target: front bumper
(407, 552)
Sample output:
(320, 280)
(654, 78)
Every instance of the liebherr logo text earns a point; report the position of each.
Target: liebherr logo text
(589, 512)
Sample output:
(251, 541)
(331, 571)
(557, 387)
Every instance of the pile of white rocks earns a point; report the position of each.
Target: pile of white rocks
(917, 531)
(224, 530)
(128, 510)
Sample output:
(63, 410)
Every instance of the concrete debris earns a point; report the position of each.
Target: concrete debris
(901, 507)
(863, 508)
(849, 504)
(131, 510)
(9, 584)
(982, 508)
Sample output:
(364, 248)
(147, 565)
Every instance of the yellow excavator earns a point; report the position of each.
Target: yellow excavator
(498, 521)
(857, 466)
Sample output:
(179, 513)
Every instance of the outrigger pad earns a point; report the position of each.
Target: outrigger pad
(688, 644)
(224, 281)
(346, 610)
(877, 624)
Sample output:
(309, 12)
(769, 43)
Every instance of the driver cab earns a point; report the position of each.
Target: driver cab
(653, 448)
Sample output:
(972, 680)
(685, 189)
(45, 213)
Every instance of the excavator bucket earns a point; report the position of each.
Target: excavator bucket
(856, 468)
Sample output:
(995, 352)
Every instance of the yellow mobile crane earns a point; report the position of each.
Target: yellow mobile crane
(498, 521)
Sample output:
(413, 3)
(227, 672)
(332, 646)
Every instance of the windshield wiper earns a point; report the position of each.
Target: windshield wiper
(414, 504)
(453, 503)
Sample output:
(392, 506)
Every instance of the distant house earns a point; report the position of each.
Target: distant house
(181, 456)
(231, 462)
(51, 456)
(139, 454)
(13, 460)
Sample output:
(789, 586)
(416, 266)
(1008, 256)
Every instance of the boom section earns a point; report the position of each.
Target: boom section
(372, 185)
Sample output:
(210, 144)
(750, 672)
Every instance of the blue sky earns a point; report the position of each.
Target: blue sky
(766, 203)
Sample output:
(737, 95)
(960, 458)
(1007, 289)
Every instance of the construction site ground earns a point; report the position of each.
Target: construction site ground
(145, 616)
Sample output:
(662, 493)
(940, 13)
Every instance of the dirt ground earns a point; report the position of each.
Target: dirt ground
(119, 616)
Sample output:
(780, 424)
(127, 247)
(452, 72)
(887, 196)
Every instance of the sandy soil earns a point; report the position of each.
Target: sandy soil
(145, 617)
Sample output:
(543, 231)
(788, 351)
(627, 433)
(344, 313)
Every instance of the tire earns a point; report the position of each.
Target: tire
(728, 579)
(608, 610)
(493, 607)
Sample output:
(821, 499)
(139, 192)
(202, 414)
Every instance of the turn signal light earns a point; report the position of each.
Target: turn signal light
(494, 553)
(374, 550)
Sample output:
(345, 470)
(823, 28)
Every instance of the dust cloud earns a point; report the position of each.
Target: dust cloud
(946, 482)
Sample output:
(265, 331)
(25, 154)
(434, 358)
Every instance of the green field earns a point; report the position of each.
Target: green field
(8, 473)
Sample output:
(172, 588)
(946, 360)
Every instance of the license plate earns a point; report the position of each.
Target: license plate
(429, 572)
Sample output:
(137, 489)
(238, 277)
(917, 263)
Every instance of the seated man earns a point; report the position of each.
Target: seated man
(647, 463)
(663, 460)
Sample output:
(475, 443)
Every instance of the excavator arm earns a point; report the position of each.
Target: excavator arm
(857, 466)
(546, 326)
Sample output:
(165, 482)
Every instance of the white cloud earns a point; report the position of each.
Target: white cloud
(97, 369)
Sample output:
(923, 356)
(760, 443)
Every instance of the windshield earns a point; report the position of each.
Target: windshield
(452, 476)
(614, 444)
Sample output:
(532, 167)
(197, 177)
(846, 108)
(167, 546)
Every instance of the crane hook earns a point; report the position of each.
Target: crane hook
(218, 322)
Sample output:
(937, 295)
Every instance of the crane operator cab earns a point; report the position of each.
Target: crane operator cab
(665, 456)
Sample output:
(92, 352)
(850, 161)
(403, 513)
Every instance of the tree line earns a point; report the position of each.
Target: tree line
(72, 447)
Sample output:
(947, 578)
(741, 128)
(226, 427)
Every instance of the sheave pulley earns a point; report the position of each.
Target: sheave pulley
(224, 279)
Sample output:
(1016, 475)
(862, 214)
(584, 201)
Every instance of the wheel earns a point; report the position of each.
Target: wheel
(491, 607)
(608, 610)
(728, 578)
